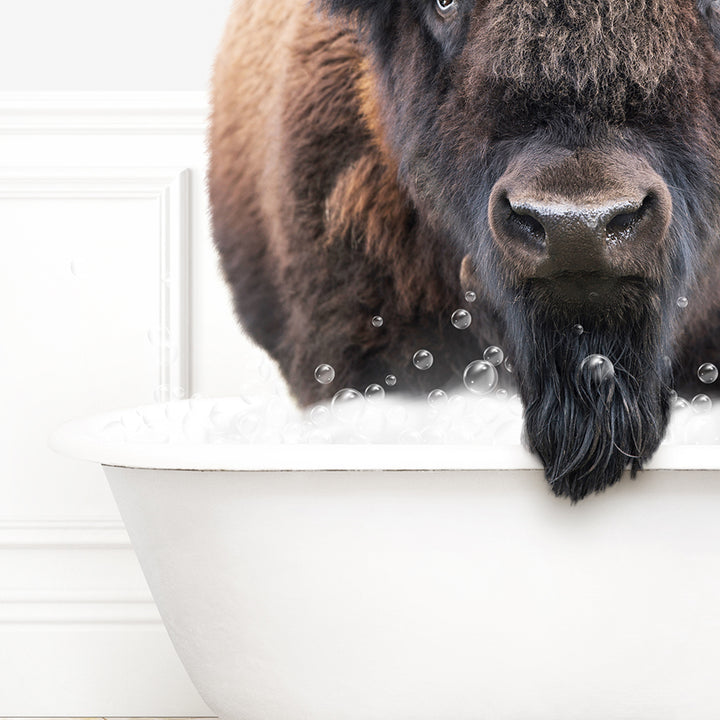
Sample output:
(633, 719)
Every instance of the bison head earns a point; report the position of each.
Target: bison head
(569, 150)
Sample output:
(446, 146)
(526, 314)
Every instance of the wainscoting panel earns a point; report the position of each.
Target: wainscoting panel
(110, 297)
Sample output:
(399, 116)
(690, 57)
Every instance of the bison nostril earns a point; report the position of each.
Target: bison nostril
(623, 222)
(528, 226)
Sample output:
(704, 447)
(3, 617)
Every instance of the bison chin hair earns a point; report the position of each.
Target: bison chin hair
(586, 424)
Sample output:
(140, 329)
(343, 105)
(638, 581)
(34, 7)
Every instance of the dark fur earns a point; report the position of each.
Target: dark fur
(353, 156)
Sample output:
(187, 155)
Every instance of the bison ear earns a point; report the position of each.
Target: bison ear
(710, 11)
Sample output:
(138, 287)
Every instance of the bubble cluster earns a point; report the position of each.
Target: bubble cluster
(423, 359)
(163, 393)
(324, 374)
(707, 373)
(461, 319)
(479, 417)
(480, 377)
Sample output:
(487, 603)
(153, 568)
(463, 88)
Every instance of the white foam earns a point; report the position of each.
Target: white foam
(463, 420)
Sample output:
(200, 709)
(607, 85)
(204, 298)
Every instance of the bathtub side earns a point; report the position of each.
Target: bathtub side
(379, 595)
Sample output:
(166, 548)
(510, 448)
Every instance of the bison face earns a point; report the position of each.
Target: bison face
(569, 150)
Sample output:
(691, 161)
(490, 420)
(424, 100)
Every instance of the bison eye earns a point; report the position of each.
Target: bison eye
(446, 7)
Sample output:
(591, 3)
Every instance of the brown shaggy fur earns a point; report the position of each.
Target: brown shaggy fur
(316, 243)
(338, 142)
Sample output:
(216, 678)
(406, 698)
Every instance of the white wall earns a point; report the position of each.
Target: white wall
(106, 248)
(109, 44)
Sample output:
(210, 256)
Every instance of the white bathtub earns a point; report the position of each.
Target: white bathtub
(423, 582)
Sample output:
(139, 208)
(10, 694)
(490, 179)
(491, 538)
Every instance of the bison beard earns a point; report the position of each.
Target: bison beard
(588, 430)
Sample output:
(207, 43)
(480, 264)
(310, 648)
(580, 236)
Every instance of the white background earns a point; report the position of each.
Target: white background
(103, 112)
(109, 45)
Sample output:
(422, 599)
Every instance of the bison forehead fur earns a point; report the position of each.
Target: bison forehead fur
(559, 157)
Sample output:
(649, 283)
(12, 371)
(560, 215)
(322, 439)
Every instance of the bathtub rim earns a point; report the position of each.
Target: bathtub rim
(79, 438)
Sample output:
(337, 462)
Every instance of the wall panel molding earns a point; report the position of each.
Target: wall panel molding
(77, 600)
(97, 533)
(104, 113)
(171, 189)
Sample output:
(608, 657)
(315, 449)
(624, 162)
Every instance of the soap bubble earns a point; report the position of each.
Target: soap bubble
(347, 405)
(501, 394)
(78, 267)
(437, 398)
(161, 339)
(457, 404)
(707, 373)
(113, 431)
(597, 368)
(423, 359)
(374, 392)
(701, 403)
(175, 411)
(494, 355)
(461, 319)
(158, 336)
(390, 380)
(433, 435)
(324, 374)
(411, 437)
(320, 415)
(132, 421)
(682, 302)
(292, 433)
(276, 412)
(480, 377)
(194, 428)
(578, 329)
(508, 365)
(377, 321)
(246, 424)
(397, 416)
(470, 296)
(161, 393)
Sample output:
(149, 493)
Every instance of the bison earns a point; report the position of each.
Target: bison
(559, 158)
